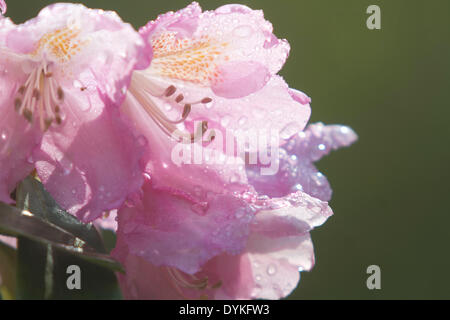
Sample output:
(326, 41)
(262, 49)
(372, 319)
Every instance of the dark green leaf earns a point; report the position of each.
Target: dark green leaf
(31, 194)
(8, 264)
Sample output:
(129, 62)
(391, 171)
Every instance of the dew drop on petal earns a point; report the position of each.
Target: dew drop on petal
(66, 165)
(200, 208)
(225, 121)
(242, 121)
(271, 269)
(142, 141)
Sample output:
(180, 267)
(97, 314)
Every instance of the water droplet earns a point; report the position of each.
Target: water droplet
(225, 121)
(200, 208)
(147, 176)
(321, 147)
(271, 269)
(66, 165)
(242, 121)
(142, 141)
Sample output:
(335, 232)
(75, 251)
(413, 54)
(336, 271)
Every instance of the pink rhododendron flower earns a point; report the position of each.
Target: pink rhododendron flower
(216, 229)
(61, 74)
(221, 67)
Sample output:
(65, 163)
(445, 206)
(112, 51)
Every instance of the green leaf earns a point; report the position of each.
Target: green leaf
(23, 224)
(8, 259)
(49, 241)
(31, 194)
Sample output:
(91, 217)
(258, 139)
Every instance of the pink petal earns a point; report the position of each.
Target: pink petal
(142, 279)
(169, 228)
(240, 79)
(280, 245)
(90, 165)
(184, 22)
(3, 7)
(297, 157)
(17, 137)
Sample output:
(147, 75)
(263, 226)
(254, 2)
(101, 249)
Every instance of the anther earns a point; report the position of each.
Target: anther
(36, 94)
(206, 100)
(28, 115)
(186, 110)
(60, 94)
(48, 75)
(204, 126)
(179, 98)
(17, 104)
(21, 90)
(58, 120)
(170, 91)
(48, 123)
(57, 109)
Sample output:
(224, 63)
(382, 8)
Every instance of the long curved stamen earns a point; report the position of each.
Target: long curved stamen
(41, 95)
(145, 91)
(181, 281)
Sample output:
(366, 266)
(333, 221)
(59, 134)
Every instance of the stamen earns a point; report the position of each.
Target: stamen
(38, 96)
(60, 93)
(146, 92)
(170, 91)
(17, 104)
(179, 98)
(186, 111)
(28, 115)
(181, 280)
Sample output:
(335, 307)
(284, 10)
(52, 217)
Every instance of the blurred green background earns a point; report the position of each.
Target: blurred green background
(392, 86)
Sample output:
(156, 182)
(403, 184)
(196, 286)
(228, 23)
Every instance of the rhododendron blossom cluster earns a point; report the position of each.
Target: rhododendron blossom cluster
(100, 110)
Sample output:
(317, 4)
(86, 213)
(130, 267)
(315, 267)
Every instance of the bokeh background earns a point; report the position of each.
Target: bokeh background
(392, 86)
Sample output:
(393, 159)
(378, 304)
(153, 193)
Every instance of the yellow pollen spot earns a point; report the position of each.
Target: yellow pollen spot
(62, 44)
(193, 60)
